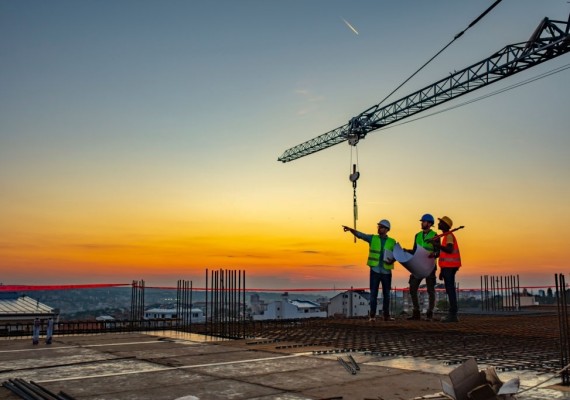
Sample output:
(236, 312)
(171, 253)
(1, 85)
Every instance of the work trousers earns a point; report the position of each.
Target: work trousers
(375, 280)
(430, 285)
(448, 275)
(49, 332)
(36, 333)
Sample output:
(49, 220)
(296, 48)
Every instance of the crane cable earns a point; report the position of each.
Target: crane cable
(441, 51)
(354, 175)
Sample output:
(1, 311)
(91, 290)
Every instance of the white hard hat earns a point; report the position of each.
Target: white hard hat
(384, 222)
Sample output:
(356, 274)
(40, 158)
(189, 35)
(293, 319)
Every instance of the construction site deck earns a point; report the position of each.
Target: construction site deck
(303, 359)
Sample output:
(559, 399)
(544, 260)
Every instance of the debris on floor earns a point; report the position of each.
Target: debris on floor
(468, 383)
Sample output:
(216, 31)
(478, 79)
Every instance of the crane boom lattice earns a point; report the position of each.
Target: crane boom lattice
(550, 40)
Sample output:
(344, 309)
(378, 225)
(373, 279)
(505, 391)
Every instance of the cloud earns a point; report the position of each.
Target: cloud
(309, 100)
(249, 255)
(99, 246)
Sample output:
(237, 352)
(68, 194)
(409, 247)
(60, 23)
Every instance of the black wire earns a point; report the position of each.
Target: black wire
(445, 47)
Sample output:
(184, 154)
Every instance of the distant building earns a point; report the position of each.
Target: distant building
(107, 321)
(290, 309)
(104, 318)
(519, 301)
(258, 306)
(17, 310)
(324, 302)
(352, 303)
(197, 315)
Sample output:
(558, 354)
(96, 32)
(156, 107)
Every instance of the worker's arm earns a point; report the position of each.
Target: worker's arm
(359, 235)
(448, 248)
(349, 229)
(436, 247)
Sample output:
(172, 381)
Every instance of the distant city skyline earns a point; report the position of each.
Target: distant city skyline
(139, 140)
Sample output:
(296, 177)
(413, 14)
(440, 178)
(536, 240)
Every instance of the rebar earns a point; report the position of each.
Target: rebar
(562, 306)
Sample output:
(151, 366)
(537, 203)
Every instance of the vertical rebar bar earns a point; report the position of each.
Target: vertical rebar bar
(518, 293)
(206, 301)
(501, 293)
(244, 303)
(235, 311)
(482, 306)
(563, 324)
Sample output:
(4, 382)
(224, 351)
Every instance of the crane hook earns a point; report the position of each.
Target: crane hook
(353, 178)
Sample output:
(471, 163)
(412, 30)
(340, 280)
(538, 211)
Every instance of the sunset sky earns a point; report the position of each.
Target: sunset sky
(139, 140)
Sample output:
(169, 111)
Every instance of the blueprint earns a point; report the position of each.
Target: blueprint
(419, 264)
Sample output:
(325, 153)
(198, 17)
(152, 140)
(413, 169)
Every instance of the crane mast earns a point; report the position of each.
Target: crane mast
(550, 40)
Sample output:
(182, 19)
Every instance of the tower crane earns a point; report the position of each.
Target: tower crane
(550, 40)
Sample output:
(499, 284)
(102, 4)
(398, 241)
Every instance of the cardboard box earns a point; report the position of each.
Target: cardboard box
(468, 383)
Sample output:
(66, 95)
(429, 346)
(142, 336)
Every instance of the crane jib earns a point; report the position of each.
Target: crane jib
(550, 40)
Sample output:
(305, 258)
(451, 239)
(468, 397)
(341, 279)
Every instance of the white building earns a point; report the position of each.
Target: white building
(352, 303)
(197, 315)
(104, 318)
(518, 301)
(290, 309)
(17, 311)
(258, 306)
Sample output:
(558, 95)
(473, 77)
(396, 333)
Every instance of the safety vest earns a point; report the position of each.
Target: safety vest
(376, 249)
(424, 242)
(449, 260)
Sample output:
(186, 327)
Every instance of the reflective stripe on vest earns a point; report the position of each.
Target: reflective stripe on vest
(376, 249)
(449, 260)
(422, 241)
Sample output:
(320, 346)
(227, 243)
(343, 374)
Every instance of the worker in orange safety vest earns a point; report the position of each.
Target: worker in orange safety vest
(449, 264)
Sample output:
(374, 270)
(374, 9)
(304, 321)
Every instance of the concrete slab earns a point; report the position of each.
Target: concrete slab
(168, 385)
(392, 385)
(175, 366)
(264, 367)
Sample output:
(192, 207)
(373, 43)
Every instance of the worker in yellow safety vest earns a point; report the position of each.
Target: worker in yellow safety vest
(423, 239)
(381, 263)
(449, 263)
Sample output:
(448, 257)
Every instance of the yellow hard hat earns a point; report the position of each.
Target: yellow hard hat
(447, 220)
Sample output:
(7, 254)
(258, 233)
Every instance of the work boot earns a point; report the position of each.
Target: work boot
(450, 318)
(387, 317)
(429, 315)
(415, 316)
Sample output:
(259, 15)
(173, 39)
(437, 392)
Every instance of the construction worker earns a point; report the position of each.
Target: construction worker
(49, 331)
(422, 239)
(36, 331)
(449, 263)
(381, 264)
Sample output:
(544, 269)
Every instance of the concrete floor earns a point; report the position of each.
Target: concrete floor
(170, 365)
